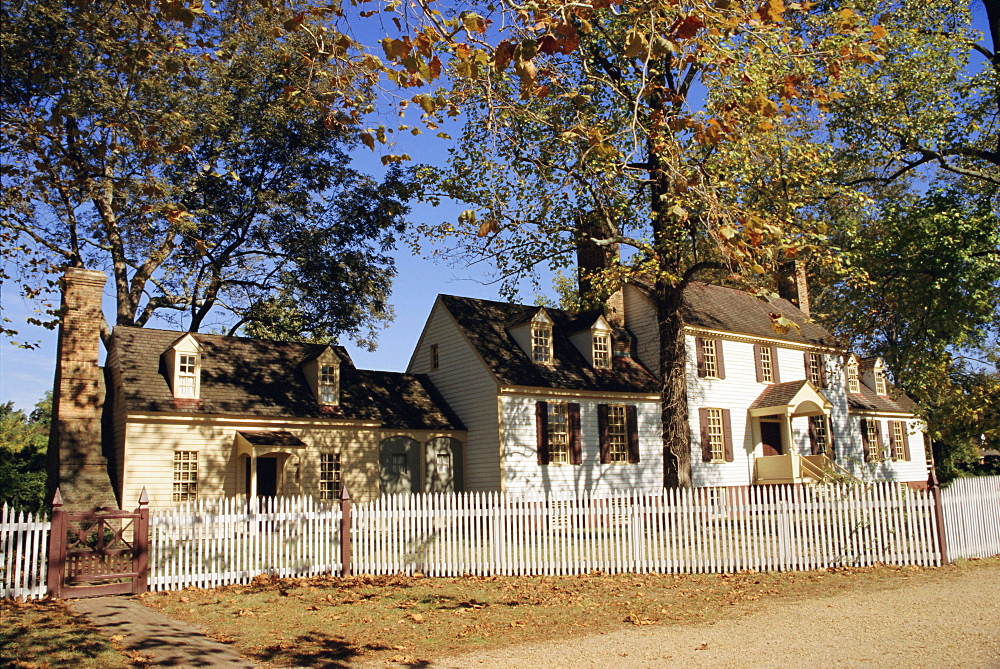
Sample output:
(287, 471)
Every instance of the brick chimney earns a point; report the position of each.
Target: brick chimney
(76, 462)
(793, 284)
(591, 258)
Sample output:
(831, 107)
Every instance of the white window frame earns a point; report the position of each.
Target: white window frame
(766, 364)
(328, 383)
(558, 433)
(880, 382)
(617, 434)
(819, 425)
(853, 377)
(185, 479)
(872, 428)
(541, 343)
(716, 435)
(329, 476)
(897, 452)
(710, 356)
(815, 371)
(602, 350)
(186, 375)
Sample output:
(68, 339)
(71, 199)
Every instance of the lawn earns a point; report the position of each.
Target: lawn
(393, 621)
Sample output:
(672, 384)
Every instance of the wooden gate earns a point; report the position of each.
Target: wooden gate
(101, 552)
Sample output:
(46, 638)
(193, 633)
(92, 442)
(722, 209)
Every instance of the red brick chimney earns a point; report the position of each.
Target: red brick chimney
(793, 284)
(76, 461)
(591, 258)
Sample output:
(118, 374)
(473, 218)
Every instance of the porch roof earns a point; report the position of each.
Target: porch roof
(792, 398)
(282, 438)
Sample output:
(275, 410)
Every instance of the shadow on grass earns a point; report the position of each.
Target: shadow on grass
(322, 651)
(45, 634)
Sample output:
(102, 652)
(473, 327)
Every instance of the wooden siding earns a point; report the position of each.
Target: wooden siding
(221, 472)
(523, 474)
(640, 319)
(469, 389)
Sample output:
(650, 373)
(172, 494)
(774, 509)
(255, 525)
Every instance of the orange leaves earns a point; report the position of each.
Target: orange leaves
(688, 27)
(773, 11)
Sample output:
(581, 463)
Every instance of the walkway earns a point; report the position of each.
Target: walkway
(167, 642)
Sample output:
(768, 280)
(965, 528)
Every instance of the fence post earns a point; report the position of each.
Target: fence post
(935, 488)
(57, 546)
(345, 532)
(142, 544)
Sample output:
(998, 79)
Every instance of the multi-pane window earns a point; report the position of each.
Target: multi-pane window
(443, 463)
(617, 434)
(435, 360)
(766, 365)
(329, 475)
(558, 431)
(880, 386)
(187, 366)
(818, 429)
(328, 384)
(541, 343)
(398, 465)
(602, 351)
(716, 435)
(814, 369)
(898, 440)
(185, 476)
(853, 380)
(711, 358)
(873, 441)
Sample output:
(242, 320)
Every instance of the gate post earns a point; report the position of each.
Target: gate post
(142, 544)
(345, 532)
(57, 546)
(935, 488)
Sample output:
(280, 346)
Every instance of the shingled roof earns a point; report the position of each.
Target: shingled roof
(485, 323)
(732, 310)
(255, 377)
(868, 400)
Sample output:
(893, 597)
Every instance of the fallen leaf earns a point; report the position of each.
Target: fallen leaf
(417, 618)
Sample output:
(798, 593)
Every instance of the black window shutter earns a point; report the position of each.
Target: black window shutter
(878, 439)
(575, 447)
(757, 363)
(719, 363)
(706, 444)
(864, 440)
(727, 427)
(831, 450)
(602, 431)
(906, 440)
(699, 353)
(813, 437)
(806, 356)
(632, 426)
(542, 431)
(821, 361)
(774, 364)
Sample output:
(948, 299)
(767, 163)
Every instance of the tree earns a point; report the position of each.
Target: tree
(202, 158)
(680, 131)
(23, 442)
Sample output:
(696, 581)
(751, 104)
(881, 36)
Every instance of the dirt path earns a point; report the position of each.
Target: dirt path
(953, 621)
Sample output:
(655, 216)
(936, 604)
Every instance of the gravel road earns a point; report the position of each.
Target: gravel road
(953, 621)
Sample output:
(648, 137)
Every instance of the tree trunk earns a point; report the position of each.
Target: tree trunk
(673, 386)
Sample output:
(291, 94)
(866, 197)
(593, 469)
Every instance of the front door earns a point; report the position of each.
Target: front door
(267, 477)
(770, 436)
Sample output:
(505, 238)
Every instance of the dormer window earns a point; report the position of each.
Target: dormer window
(187, 370)
(328, 384)
(602, 351)
(880, 385)
(183, 360)
(322, 371)
(541, 343)
(853, 379)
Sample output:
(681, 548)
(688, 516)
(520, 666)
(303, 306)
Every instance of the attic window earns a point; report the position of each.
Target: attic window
(328, 384)
(602, 351)
(880, 386)
(187, 375)
(541, 343)
(853, 380)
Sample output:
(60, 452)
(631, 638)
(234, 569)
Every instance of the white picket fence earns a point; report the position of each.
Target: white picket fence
(766, 528)
(703, 530)
(24, 551)
(210, 543)
(971, 512)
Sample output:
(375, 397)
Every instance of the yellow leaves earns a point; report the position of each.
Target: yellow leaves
(488, 227)
(773, 11)
(635, 43)
(395, 49)
(178, 216)
(368, 140)
(474, 23)
(763, 106)
(782, 325)
(879, 33)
